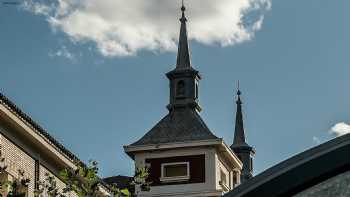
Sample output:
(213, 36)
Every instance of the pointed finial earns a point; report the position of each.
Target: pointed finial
(183, 54)
(238, 94)
(183, 9)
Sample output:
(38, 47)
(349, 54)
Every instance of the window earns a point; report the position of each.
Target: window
(251, 164)
(196, 96)
(236, 178)
(223, 180)
(173, 172)
(223, 177)
(180, 88)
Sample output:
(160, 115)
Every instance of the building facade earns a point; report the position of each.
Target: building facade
(184, 157)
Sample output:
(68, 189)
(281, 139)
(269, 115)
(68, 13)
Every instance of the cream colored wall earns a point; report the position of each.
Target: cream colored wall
(16, 159)
(60, 184)
(184, 190)
(221, 164)
(21, 146)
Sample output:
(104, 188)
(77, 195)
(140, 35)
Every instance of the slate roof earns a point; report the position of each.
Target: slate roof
(180, 125)
(299, 172)
(37, 128)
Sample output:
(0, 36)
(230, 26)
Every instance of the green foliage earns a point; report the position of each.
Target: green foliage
(83, 181)
(48, 188)
(16, 188)
(141, 179)
(116, 192)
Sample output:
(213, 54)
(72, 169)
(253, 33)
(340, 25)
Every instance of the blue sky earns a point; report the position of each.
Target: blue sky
(294, 77)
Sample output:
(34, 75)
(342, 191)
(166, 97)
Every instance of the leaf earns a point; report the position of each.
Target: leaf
(125, 192)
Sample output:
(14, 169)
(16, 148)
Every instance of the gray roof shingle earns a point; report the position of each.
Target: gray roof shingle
(178, 126)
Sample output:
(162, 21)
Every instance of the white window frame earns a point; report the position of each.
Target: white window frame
(226, 184)
(236, 174)
(163, 178)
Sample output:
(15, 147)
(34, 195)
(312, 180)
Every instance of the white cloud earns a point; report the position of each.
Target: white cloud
(63, 52)
(37, 7)
(339, 129)
(121, 28)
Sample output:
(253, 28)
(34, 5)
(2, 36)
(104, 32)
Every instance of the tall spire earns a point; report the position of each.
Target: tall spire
(184, 80)
(240, 147)
(239, 137)
(183, 54)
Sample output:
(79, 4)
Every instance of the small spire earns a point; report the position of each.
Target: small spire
(239, 137)
(183, 55)
(240, 147)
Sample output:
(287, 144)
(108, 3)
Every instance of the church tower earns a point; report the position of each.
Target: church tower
(244, 152)
(183, 79)
(183, 156)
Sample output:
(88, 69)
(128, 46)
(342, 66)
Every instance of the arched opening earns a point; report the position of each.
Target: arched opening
(180, 88)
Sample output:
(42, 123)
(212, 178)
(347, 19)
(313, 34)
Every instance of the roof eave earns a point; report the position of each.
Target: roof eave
(227, 152)
(223, 148)
(132, 149)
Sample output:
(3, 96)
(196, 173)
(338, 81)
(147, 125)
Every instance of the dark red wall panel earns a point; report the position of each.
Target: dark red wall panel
(197, 169)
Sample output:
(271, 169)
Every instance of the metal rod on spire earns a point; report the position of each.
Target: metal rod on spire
(183, 55)
(183, 9)
(238, 88)
(238, 84)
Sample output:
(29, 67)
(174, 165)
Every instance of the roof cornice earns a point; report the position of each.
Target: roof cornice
(224, 149)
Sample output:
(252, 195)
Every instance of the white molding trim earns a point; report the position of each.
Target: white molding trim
(139, 148)
(131, 150)
(164, 178)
